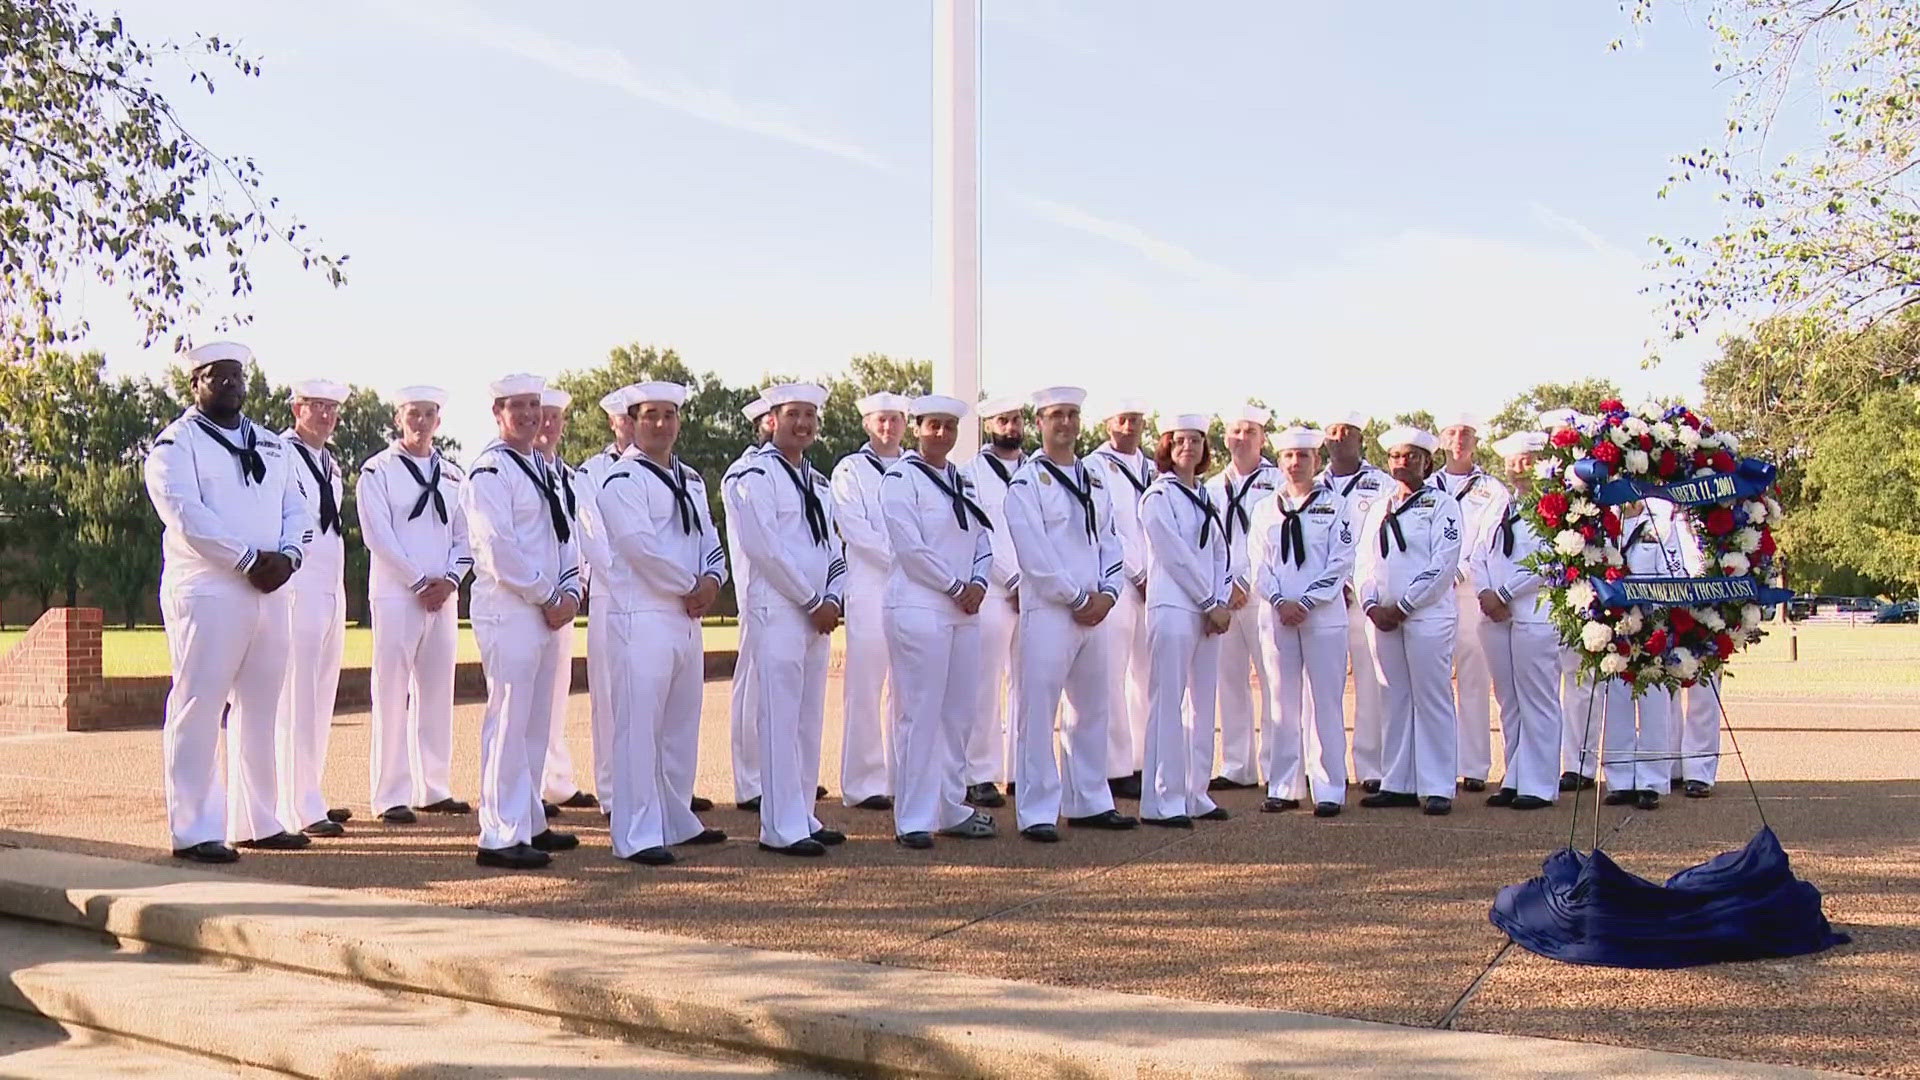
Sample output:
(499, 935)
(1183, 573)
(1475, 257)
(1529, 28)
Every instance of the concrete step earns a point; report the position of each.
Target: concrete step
(232, 1013)
(32, 1048)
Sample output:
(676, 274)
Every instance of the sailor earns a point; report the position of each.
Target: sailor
(1187, 593)
(866, 741)
(1300, 548)
(317, 618)
(559, 789)
(1582, 708)
(415, 526)
(232, 502)
(942, 548)
(783, 512)
(1248, 480)
(1637, 743)
(1521, 646)
(1125, 471)
(990, 753)
(665, 570)
(743, 729)
(1358, 485)
(526, 586)
(594, 557)
(1409, 552)
(1696, 709)
(1482, 500)
(1062, 522)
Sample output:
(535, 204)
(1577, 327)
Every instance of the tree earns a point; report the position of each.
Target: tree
(99, 175)
(841, 432)
(1863, 488)
(1522, 412)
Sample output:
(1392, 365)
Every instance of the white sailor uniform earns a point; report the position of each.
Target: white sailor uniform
(661, 539)
(1696, 709)
(1358, 492)
(1638, 741)
(990, 751)
(867, 748)
(1126, 477)
(587, 482)
(317, 618)
(1237, 496)
(743, 726)
(1302, 549)
(1522, 655)
(223, 495)
(415, 526)
(1062, 522)
(1482, 500)
(525, 556)
(784, 516)
(1186, 579)
(1409, 552)
(558, 781)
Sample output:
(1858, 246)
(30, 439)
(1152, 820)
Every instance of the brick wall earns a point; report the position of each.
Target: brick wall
(51, 680)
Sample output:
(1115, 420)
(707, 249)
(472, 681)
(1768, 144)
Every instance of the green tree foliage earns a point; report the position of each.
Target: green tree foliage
(1862, 488)
(1522, 411)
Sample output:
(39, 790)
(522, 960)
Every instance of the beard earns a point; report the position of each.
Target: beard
(1006, 442)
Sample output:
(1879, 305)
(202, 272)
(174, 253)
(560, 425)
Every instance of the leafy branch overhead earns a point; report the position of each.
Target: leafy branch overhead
(99, 176)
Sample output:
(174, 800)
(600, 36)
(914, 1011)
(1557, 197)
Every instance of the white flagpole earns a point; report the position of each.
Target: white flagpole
(956, 205)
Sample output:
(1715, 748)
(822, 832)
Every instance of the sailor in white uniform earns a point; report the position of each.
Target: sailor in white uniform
(783, 512)
(1522, 647)
(1187, 592)
(1637, 745)
(415, 527)
(1482, 498)
(743, 727)
(942, 546)
(317, 618)
(1248, 480)
(1062, 522)
(1358, 485)
(1300, 548)
(1410, 550)
(1696, 709)
(526, 586)
(559, 788)
(665, 571)
(1125, 470)
(990, 751)
(230, 498)
(594, 558)
(866, 742)
(1582, 707)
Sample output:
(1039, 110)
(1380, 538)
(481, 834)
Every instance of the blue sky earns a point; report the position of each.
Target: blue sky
(1380, 206)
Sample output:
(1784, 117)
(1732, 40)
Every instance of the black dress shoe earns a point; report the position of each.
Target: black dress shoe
(1699, 789)
(874, 802)
(1110, 819)
(829, 837)
(280, 841)
(552, 810)
(209, 851)
(1275, 806)
(1438, 806)
(517, 857)
(1646, 800)
(986, 795)
(1371, 787)
(1010, 788)
(1221, 783)
(325, 827)
(707, 836)
(1124, 787)
(1528, 802)
(1045, 834)
(819, 792)
(1326, 809)
(554, 841)
(1503, 797)
(340, 815)
(806, 849)
(1218, 813)
(580, 800)
(1177, 821)
(652, 856)
(1389, 799)
(447, 806)
(1474, 785)
(751, 806)
(398, 815)
(918, 841)
(699, 804)
(1620, 797)
(1573, 781)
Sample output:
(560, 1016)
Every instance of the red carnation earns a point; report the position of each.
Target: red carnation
(1766, 542)
(1657, 642)
(1553, 508)
(1690, 420)
(1719, 521)
(1610, 520)
(1682, 620)
(1573, 575)
(1646, 442)
(1688, 682)
(1606, 453)
(1589, 532)
(1623, 647)
(1627, 676)
(1615, 573)
(1723, 645)
(1668, 464)
(1566, 436)
(1611, 405)
(1722, 461)
(1700, 459)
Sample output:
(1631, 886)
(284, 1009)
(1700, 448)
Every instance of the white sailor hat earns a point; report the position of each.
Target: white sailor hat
(552, 397)
(883, 402)
(409, 394)
(1407, 435)
(790, 393)
(615, 402)
(1059, 395)
(938, 405)
(1125, 405)
(1460, 419)
(672, 393)
(1001, 406)
(755, 409)
(1249, 413)
(1191, 421)
(215, 351)
(1521, 442)
(507, 386)
(1297, 438)
(1559, 418)
(1349, 418)
(320, 390)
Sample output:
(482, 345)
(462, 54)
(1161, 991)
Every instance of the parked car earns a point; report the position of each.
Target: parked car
(1905, 611)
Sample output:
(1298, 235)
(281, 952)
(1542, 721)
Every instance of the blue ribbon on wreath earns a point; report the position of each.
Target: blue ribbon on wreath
(1638, 591)
(1749, 479)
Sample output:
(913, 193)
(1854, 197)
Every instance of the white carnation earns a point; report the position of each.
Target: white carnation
(1663, 432)
(1634, 426)
(1569, 543)
(1756, 510)
(1709, 442)
(1711, 618)
(1750, 617)
(1649, 410)
(1731, 441)
(1612, 664)
(1747, 540)
(1632, 622)
(1595, 555)
(1774, 512)
(1734, 564)
(1636, 461)
(1580, 595)
(1615, 558)
(1545, 469)
(1688, 437)
(1684, 664)
(1619, 435)
(1579, 508)
(1596, 637)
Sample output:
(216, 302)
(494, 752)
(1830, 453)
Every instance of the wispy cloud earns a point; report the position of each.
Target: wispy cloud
(610, 67)
(1553, 219)
(1162, 253)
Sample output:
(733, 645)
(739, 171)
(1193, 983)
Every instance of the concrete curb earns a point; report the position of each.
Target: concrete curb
(844, 1016)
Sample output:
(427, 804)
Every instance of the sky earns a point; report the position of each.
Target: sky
(1384, 206)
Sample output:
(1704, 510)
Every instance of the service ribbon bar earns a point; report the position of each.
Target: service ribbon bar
(1749, 479)
(1686, 592)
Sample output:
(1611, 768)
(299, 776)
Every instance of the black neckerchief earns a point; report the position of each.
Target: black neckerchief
(682, 499)
(1236, 503)
(253, 467)
(1503, 540)
(873, 459)
(559, 516)
(1207, 513)
(962, 506)
(1393, 522)
(1293, 534)
(561, 480)
(1466, 489)
(429, 485)
(1084, 495)
(329, 510)
(1139, 485)
(1348, 490)
(1633, 537)
(815, 514)
(1000, 468)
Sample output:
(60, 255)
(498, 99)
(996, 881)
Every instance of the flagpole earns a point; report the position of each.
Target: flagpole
(956, 205)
